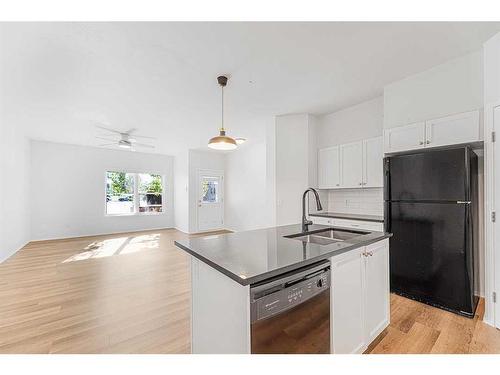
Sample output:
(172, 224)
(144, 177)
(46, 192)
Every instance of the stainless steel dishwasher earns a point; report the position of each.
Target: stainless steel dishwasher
(291, 314)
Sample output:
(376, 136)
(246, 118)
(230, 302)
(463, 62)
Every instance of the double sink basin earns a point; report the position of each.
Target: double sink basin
(326, 236)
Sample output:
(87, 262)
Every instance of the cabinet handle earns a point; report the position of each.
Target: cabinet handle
(360, 183)
(421, 142)
(428, 142)
(369, 254)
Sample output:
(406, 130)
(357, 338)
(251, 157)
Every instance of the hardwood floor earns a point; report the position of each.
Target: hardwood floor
(129, 293)
(417, 328)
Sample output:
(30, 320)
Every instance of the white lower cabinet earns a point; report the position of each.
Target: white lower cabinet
(359, 297)
(347, 303)
(377, 299)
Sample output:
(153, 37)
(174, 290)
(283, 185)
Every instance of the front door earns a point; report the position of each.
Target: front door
(210, 200)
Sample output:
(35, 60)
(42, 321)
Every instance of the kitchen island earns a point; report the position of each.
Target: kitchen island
(225, 267)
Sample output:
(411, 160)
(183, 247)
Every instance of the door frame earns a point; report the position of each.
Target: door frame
(491, 239)
(216, 173)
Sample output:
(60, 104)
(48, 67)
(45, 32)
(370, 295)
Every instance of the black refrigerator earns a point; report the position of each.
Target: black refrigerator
(431, 200)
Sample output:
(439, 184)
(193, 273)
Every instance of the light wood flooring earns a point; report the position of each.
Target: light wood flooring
(130, 293)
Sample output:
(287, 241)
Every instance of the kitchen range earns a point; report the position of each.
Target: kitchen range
(290, 289)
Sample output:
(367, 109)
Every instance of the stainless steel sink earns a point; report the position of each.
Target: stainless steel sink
(326, 236)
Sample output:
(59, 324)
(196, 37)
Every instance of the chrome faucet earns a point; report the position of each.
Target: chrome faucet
(305, 222)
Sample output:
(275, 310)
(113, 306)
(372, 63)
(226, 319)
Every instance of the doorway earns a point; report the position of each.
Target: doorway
(210, 204)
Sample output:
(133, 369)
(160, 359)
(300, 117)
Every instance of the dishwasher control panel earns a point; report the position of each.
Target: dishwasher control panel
(267, 302)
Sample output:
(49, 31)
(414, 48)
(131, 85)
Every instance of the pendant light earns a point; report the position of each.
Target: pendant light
(222, 141)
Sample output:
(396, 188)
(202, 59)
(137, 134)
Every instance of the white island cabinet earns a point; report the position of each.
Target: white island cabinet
(359, 297)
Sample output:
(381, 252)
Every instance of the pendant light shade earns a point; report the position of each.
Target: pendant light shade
(222, 141)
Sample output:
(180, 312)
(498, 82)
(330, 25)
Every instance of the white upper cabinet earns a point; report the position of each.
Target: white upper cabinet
(373, 156)
(456, 129)
(329, 168)
(401, 138)
(351, 165)
(450, 130)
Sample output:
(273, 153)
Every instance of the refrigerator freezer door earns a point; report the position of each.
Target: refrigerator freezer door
(430, 254)
(427, 176)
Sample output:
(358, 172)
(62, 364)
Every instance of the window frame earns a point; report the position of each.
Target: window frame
(136, 193)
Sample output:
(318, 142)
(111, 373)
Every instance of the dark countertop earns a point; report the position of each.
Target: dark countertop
(335, 215)
(252, 256)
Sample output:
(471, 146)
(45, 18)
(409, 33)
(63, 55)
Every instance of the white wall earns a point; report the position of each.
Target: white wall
(181, 191)
(364, 120)
(294, 134)
(199, 160)
(492, 71)
(247, 200)
(68, 186)
(453, 87)
(361, 121)
(14, 190)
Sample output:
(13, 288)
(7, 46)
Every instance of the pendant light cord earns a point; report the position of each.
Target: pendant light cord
(222, 107)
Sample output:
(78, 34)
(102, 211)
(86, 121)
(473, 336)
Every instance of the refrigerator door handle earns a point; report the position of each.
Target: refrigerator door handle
(464, 202)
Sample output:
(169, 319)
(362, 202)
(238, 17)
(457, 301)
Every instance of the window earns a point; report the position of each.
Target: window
(133, 193)
(150, 193)
(210, 188)
(120, 193)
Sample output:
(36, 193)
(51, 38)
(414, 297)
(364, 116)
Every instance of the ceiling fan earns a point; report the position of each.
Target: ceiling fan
(127, 140)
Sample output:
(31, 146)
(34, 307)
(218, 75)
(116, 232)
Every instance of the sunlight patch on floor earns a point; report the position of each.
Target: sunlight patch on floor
(117, 246)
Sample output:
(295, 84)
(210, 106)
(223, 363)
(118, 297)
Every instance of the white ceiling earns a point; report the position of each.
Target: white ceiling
(59, 79)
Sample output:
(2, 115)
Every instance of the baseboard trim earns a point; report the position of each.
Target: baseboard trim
(98, 234)
(13, 252)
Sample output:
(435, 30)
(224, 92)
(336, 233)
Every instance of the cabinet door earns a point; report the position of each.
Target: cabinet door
(461, 128)
(377, 299)
(351, 162)
(403, 138)
(348, 335)
(329, 168)
(373, 162)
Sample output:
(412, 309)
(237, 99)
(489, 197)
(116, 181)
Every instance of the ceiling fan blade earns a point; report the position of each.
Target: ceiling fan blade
(143, 136)
(107, 144)
(143, 145)
(106, 139)
(109, 129)
(130, 131)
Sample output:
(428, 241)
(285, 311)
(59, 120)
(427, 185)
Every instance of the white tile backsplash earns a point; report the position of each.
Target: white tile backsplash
(357, 201)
